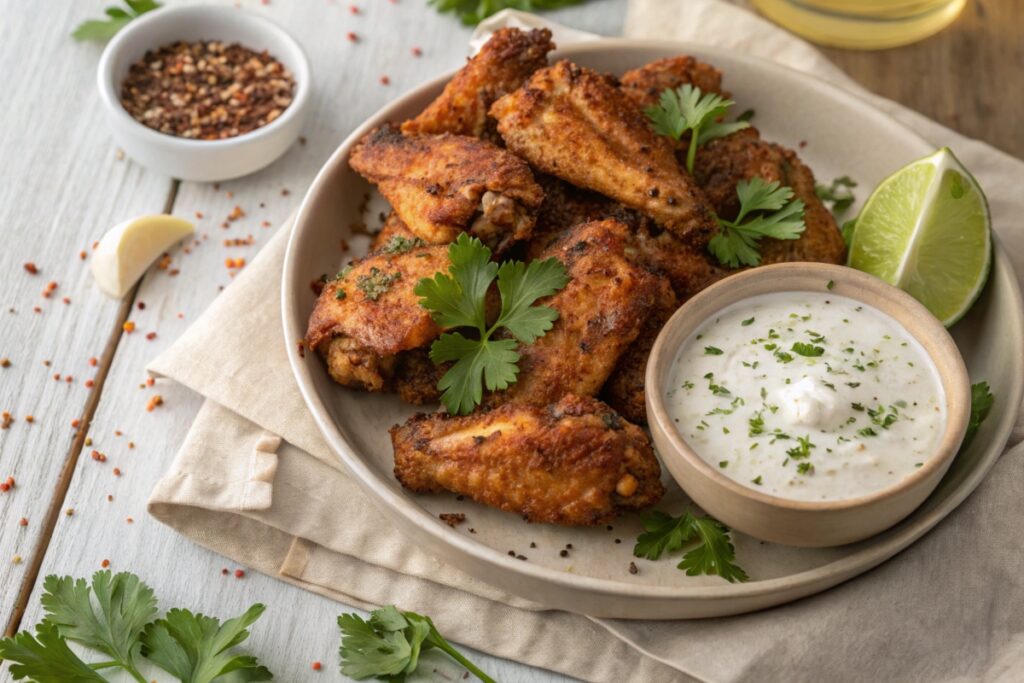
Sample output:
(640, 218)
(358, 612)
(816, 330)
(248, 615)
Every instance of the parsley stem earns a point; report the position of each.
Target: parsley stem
(103, 665)
(691, 151)
(441, 643)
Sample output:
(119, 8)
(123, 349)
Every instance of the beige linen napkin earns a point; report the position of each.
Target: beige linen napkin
(946, 609)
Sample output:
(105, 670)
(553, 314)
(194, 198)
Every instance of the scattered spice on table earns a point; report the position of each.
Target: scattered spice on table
(5, 362)
(352, 37)
(105, 563)
(98, 457)
(70, 512)
(633, 569)
(206, 90)
(154, 401)
(128, 327)
(31, 268)
(93, 361)
(5, 420)
(316, 666)
(23, 521)
(239, 573)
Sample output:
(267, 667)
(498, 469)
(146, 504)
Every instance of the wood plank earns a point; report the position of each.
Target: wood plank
(347, 91)
(969, 77)
(63, 186)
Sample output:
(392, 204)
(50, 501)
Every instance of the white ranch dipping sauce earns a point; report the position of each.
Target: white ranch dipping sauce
(807, 396)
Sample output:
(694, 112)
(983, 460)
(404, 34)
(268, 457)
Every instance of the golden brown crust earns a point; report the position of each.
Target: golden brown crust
(624, 390)
(353, 365)
(384, 319)
(503, 64)
(557, 464)
(442, 185)
(722, 163)
(600, 312)
(573, 123)
(416, 376)
(645, 85)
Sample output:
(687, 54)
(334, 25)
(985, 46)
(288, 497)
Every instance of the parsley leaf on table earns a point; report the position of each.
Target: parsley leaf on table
(196, 648)
(117, 18)
(457, 300)
(713, 553)
(472, 12)
(125, 605)
(981, 404)
(687, 108)
(45, 658)
(766, 210)
(390, 643)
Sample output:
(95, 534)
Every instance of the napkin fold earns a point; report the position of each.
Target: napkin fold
(255, 481)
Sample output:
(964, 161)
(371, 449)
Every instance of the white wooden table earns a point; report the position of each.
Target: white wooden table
(62, 184)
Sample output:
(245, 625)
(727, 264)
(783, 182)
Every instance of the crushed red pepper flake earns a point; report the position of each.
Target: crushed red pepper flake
(150, 381)
(31, 268)
(94, 361)
(165, 262)
(89, 384)
(130, 520)
(5, 362)
(225, 571)
(30, 419)
(154, 401)
(75, 424)
(128, 327)
(385, 80)
(66, 300)
(82, 255)
(36, 309)
(23, 521)
(117, 471)
(352, 37)
(110, 498)
(5, 420)
(151, 336)
(105, 563)
(417, 52)
(316, 666)
(97, 456)
(239, 573)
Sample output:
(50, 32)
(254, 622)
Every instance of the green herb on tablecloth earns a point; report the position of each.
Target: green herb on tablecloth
(472, 12)
(710, 550)
(115, 616)
(389, 644)
(117, 19)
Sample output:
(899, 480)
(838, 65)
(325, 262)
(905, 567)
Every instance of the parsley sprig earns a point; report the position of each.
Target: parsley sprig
(472, 12)
(389, 644)
(457, 300)
(981, 404)
(839, 194)
(689, 109)
(711, 553)
(766, 210)
(117, 19)
(115, 616)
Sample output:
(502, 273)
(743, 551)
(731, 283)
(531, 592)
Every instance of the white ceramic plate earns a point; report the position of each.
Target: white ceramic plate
(836, 134)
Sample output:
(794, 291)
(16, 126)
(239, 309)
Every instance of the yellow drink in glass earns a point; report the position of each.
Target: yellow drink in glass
(862, 24)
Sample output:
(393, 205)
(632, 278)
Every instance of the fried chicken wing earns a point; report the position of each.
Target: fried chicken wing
(393, 227)
(722, 163)
(645, 85)
(416, 376)
(600, 312)
(575, 462)
(441, 185)
(503, 64)
(575, 124)
(624, 390)
(370, 313)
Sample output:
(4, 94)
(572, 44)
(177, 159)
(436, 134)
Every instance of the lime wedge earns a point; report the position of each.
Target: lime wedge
(926, 229)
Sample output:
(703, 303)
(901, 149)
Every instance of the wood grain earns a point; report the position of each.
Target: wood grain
(969, 77)
(62, 186)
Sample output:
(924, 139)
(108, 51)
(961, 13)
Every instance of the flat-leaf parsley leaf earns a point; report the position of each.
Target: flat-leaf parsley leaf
(713, 552)
(981, 404)
(388, 645)
(117, 19)
(457, 300)
(688, 108)
(766, 210)
(472, 12)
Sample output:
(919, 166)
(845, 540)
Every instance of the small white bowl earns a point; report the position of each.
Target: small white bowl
(203, 160)
(782, 520)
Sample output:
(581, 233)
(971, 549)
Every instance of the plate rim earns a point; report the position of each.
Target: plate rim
(439, 539)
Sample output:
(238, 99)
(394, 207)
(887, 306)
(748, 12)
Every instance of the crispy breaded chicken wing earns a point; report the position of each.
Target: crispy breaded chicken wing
(370, 313)
(574, 123)
(393, 227)
(600, 312)
(503, 64)
(624, 390)
(645, 85)
(573, 462)
(722, 163)
(416, 376)
(441, 185)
